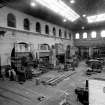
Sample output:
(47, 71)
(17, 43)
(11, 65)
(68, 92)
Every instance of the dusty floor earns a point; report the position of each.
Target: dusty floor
(12, 93)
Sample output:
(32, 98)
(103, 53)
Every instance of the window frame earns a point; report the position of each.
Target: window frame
(26, 24)
(11, 20)
(54, 31)
(60, 33)
(78, 36)
(46, 29)
(95, 33)
(103, 32)
(85, 33)
(38, 27)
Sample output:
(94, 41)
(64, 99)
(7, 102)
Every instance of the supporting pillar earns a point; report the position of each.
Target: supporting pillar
(0, 65)
(90, 51)
(53, 56)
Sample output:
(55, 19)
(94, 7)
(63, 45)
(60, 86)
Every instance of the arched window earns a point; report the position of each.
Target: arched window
(103, 33)
(60, 33)
(46, 29)
(11, 20)
(93, 34)
(84, 35)
(65, 34)
(26, 24)
(77, 36)
(38, 27)
(54, 31)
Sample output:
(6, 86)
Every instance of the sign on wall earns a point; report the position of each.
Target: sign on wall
(97, 92)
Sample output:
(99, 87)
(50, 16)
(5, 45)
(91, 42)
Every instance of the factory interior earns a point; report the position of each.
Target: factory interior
(52, 52)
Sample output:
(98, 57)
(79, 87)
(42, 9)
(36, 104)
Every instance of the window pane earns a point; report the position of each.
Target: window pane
(38, 27)
(103, 33)
(47, 29)
(85, 35)
(26, 24)
(11, 20)
(77, 36)
(93, 34)
(54, 31)
(60, 33)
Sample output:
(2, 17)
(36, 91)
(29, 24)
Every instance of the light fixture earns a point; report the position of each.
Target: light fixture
(72, 1)
(33, 4)
(84, 15)
(96, 18)
(83, 27)
(59, 7)
(64, 20)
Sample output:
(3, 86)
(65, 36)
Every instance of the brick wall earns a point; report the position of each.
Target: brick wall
(18, 34)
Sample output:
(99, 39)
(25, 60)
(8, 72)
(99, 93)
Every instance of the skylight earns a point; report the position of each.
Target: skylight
(59, 7)
(96, 18)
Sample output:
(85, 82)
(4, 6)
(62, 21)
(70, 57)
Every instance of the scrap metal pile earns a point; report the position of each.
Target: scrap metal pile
(95, 66)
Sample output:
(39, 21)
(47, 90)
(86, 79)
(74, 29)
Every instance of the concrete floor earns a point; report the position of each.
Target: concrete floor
(29, 92)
